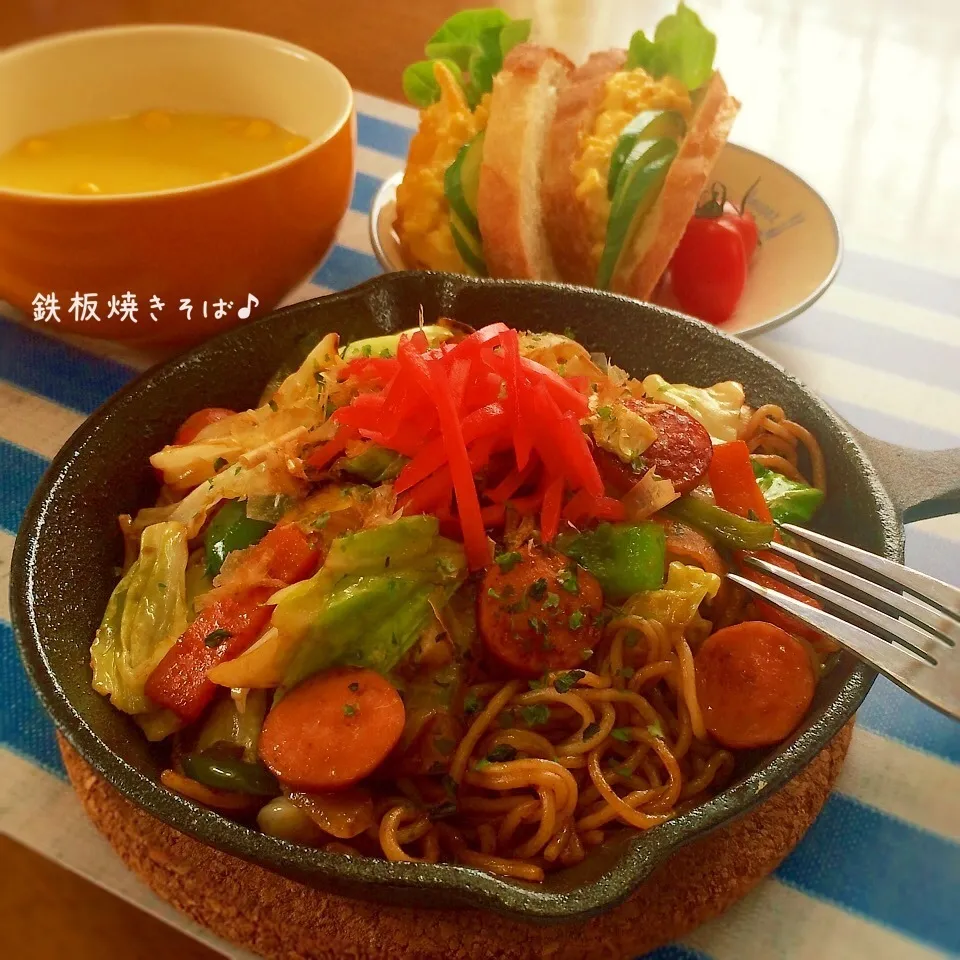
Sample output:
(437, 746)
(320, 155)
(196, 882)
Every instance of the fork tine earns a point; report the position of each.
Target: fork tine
(918, 640)
(935, 620)
(926, 587)
(932, 684)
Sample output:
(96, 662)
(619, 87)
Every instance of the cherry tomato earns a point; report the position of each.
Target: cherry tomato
(197, 421)
(746, 227)
(709, 268)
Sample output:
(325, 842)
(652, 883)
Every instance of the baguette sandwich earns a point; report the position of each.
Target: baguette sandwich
(635, 136)
(469, 201)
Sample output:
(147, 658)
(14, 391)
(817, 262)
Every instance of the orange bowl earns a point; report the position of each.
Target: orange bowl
(244, 241)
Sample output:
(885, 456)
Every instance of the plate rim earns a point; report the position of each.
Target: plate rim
(386, 195)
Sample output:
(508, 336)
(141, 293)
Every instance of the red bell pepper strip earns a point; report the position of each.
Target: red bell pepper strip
(433, 381)
(522, 443)
(369, 369)
(430, 496)
(220, 632)
(484, 422)
(735, 488)
(560, 389)
(583, 506)
(329, 451)
(550, 511)
(495, 515)
(485, 336)
(512, 482)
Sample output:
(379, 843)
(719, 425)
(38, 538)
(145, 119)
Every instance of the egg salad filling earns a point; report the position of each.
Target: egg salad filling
(423, 212)
(628, 93)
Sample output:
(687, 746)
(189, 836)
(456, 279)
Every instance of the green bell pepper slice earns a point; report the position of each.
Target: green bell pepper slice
(727, 528)
(790, 501)
(624, 557)
(231, 529)
(218, 770)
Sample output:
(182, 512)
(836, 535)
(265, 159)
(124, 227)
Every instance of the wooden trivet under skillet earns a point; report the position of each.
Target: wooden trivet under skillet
(283, 920)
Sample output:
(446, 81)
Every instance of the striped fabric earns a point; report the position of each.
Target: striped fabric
(878, 874)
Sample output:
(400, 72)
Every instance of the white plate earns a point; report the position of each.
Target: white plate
(798, 256)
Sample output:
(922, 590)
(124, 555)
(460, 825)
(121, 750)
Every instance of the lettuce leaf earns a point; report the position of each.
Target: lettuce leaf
(681, 47)
(145, 615)
(472, 44)
(716, 407)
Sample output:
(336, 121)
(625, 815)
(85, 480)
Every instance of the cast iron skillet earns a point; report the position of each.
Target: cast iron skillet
(68, 548)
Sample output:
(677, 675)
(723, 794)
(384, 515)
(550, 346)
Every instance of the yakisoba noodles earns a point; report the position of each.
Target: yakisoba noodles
(459, 596)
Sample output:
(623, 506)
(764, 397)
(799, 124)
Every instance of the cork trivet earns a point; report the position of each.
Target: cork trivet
(279, 918)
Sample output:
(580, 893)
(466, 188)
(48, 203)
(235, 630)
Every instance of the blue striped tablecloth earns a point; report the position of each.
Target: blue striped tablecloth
(878, 874)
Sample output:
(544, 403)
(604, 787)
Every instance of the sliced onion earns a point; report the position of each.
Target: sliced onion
(648, 495)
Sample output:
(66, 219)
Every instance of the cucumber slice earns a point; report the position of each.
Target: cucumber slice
(468, 245)
(461, 182)
(642, 177)
(649, 125)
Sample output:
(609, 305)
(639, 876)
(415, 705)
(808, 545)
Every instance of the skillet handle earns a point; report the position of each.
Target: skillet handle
(921, 483)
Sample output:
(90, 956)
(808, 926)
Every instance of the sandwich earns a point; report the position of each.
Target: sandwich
(632, 144)
(470, 199)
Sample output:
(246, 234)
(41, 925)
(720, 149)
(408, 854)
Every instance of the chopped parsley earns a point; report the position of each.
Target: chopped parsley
(586, 653)
(162, 587)
(626, 672)
(220, 463)
(471, 703)
(591, 730)
(537, 589)
(623, 771)
(655, 730)
(367, 350)
(569, 333)
(605, 413)
(236, 472)
(353, 687)
(321, 521)
(273, 406)
(350, 709)
(491, 592)
(568, 580)
(576, 620)
(535, 715)
(565, 681)
(446, 566)
(507, 561)
(502, 753)
(552, 601)
(385, 353)
(216, 637)
(481, 764)
(537, 626)
(622, 734)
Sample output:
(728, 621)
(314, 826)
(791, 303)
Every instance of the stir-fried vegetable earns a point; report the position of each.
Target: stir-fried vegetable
(220, 771)
(725, 527)
(235, 725)
(372, 598)
(677, 603)
(376, 464)
(386, 346)
(146, 613)
(789, 501)
(231, 529)
(625, 558)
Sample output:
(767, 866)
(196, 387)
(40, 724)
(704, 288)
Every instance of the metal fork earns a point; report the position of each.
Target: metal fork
(914, 644)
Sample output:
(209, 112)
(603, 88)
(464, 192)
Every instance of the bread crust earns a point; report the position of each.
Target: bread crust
(649, 250)
(566, 223)
(525, 94)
